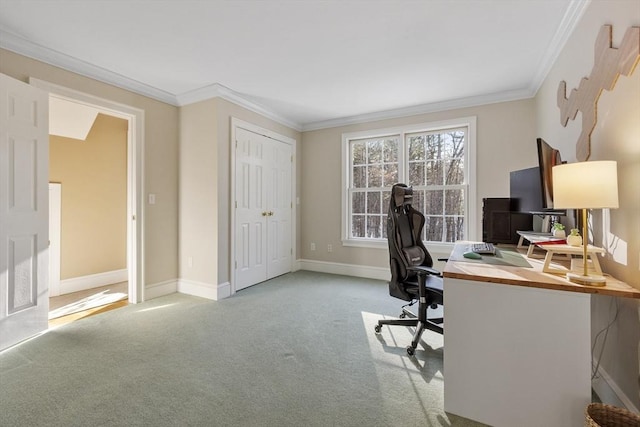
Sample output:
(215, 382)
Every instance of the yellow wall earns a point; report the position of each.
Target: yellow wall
(93, 174)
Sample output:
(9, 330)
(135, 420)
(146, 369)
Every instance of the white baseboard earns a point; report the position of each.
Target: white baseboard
(160, 289)
(609, 392)
(379, 273)
(204, 290)
(91, 281)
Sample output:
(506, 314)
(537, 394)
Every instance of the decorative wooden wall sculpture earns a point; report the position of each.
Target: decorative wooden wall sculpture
(609, 63)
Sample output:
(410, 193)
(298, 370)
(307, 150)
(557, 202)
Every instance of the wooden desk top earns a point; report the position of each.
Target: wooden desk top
(459, 267)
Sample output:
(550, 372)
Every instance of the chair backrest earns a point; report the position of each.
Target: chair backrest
(404, 231)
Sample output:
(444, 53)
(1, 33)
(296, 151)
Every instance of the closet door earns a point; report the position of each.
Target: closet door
(263, 237)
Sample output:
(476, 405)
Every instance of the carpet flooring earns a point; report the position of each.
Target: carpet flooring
(298, 350)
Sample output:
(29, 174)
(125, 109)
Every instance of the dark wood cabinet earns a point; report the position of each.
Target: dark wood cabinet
(500, 223)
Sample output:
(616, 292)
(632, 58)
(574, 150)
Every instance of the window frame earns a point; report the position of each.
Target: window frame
(401, 131)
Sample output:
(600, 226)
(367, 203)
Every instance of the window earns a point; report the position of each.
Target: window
(435, 159)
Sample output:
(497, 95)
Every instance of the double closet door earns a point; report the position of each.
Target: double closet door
(263, 208)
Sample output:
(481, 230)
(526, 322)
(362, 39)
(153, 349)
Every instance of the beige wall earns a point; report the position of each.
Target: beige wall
(93, 174)
(505, 142)
(615, 137)
(160, 157)
(198, 192)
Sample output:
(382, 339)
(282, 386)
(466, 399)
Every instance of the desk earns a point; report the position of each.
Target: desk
(518, 343)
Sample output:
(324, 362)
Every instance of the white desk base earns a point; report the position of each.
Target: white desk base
(516, 356)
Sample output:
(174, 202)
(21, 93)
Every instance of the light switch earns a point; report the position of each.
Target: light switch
(152, 199)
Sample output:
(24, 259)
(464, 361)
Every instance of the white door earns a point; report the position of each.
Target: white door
(24, 198)
(263, 208)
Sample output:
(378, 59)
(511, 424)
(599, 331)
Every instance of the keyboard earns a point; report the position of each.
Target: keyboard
(483, 248)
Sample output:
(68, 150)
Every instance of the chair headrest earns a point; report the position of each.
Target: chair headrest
(402, 195)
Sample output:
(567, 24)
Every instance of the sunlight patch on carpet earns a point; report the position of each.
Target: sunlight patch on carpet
(93, 301)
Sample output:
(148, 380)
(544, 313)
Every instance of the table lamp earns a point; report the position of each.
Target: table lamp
(585, 185)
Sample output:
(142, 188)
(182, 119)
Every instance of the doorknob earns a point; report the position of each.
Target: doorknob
(265, 214)
(270, 213)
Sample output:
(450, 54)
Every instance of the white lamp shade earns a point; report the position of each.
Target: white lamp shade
(585, 185)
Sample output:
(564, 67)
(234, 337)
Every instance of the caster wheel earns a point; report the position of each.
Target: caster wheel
(378, 328)
(411, 351)
(402, 315)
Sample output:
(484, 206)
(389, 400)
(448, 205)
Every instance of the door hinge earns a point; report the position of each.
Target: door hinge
(236, 204)
(236, 264)
(292, 159)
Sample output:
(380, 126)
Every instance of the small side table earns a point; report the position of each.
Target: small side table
(567, 250)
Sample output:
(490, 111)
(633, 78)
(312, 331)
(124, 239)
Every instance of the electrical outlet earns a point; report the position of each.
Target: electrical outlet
(313, 246)
(329, 247)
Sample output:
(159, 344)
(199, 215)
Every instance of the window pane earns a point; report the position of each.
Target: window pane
(416, 148)
(416, 173)
(357, 225)
(374, 229)
(434, 172)
(359, 176)
(434, 146)
(455, 172)
(375, 176)
(454, 144)
(434, 200)
(390, 175)
(391, 150)
(454, 202)
(375, 151)
(358, 202)
(373, 203)
(386, 198)
(358, 153)
(383, 224)
(433, 229)
(418, 200)
(455, 229)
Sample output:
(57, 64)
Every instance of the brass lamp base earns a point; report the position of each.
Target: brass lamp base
(587, 280)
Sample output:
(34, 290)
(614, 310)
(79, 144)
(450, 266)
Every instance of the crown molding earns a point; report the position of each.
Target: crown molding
(32, 50)
(570, 20)
(434, 107)
(217, 90)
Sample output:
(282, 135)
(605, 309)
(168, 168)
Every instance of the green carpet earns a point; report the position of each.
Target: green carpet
(298, 350)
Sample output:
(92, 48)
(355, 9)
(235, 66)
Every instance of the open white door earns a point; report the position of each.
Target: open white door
(24, 209)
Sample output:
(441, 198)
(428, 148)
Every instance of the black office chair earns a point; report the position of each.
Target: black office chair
(412, 275)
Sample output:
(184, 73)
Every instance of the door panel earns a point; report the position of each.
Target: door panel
(279, 202)
(24, 195)
(250, 227)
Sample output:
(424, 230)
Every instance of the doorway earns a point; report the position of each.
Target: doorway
(87, 209)
(134, 210)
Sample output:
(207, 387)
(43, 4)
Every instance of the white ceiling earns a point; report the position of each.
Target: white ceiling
(304, 63)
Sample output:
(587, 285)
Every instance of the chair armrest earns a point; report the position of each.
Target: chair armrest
(421, 270)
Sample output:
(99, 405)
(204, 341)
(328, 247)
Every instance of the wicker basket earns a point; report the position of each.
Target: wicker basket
(601, 415)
